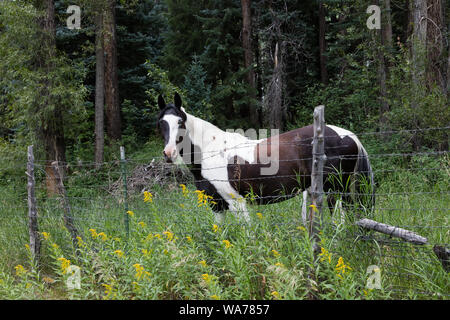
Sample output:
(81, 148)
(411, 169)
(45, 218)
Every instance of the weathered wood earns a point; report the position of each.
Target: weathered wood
(392, 231)
(304, 210)
(317, 172)
(35, 242)
(125, 188)
(68, 218)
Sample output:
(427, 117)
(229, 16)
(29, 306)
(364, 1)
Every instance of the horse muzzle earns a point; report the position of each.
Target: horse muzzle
(169, 155)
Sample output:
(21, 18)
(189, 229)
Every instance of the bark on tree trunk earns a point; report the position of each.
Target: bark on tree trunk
(51, 131)
(418, 53)
(274, 95)
(248, 55)
(322, 45)
(112, 103)
(99, 91)
(435, 69)
(383, 58)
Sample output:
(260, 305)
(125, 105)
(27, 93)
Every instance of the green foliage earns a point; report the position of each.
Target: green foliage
(21, 82)
(161, 85)
(174, 254)
(198, 92)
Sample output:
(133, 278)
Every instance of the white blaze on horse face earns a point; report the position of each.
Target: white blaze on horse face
(170, 149)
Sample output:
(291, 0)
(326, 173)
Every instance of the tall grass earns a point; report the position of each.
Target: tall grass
(177, 250)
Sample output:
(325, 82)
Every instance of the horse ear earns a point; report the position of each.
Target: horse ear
(177, 100)
(161, 102)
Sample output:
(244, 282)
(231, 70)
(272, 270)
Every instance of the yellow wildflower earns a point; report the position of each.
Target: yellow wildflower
(227, 244)
(158, 236)
(64, 264)
(20, 270)
(313, 206)
(46, 235)
(189, 239)
(279, 264)
(341, 267)
(275, 294)
(130, 213)
(206, 277)
(103, 236)
(202, 263)
(140, 272)
(169, 235)
(142, 224)
(80, 241)
(259, 215)
(215, 297)
(54, 245)
(275, 253)
(118, 253)
(325, 255)
(148, 197)
(109, 291)
(202, 198)
(184, 189)
(215, 227)
(93, 233)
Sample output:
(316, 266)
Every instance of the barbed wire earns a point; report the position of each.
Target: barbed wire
(102, 204)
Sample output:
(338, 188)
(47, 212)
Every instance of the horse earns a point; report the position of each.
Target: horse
(229, 167)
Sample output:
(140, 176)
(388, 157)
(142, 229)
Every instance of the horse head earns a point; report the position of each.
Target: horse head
(172, 126)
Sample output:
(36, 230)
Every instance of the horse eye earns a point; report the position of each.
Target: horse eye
(180, 122)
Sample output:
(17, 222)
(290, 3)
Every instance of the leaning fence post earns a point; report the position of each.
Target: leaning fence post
(68, 219)
(318, 160)
(125, 191)
(35, 243)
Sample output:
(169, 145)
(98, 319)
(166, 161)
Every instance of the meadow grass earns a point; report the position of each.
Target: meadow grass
(175, 249)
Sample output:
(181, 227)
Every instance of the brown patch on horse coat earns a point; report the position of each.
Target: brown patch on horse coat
(295, 164)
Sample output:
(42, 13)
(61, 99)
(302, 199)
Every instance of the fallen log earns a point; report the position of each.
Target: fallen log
(392, 231)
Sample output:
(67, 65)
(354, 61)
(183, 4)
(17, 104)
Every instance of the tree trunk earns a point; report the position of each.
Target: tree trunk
(248, 55)
(322, 45)
(435, 69)
(383, 57)
(99, 91)
(111, 74)
(51, 131)
(274, 95)
(418, 54)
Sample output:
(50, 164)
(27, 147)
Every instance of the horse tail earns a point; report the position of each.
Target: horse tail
(365, 183)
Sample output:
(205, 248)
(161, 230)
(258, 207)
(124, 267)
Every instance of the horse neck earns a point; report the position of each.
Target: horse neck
(201, 132)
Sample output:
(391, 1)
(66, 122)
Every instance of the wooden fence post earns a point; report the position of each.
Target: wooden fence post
(35, 242)
(125, 190)
(68, 218)
(318, 160)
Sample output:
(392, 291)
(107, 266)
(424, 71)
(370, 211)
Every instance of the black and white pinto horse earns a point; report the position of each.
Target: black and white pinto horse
(229, 166)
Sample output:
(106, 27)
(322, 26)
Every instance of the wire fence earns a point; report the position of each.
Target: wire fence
(413, 197)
